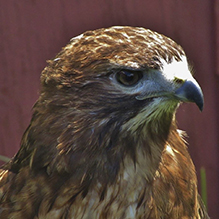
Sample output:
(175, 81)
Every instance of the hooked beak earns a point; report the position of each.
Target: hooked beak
(190, 91)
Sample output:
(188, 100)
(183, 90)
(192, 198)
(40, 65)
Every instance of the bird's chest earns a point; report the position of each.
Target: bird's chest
(122, 199)
(136, 193)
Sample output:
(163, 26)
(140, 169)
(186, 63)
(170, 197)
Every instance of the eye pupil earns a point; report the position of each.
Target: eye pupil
(128, 78)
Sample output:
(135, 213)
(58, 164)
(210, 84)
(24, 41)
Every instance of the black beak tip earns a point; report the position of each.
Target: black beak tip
(201, 105)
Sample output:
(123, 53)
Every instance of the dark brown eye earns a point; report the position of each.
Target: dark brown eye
(128, 78)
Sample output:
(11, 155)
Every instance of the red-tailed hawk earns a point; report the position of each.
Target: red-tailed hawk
(103, 141)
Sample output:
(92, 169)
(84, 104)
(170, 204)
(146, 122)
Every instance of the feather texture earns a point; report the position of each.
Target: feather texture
(98, 148)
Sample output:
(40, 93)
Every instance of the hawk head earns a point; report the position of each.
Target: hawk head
(107, 95)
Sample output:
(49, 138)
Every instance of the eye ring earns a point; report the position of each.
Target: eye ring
(128, 78)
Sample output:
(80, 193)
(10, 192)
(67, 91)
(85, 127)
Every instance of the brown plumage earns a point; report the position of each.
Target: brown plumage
(103, 141)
